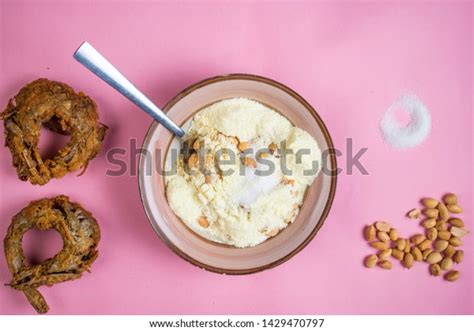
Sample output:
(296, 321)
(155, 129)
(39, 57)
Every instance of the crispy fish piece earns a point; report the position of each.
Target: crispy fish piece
(56, 106)
(79, 231)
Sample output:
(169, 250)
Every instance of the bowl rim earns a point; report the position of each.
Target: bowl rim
(332, 189)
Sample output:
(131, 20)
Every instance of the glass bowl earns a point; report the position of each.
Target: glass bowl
(223, 258)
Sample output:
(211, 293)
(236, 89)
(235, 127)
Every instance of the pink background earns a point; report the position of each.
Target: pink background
(350, 60)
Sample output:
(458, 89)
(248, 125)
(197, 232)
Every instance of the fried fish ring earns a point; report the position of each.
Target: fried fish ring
(56, 106)
(79, 231)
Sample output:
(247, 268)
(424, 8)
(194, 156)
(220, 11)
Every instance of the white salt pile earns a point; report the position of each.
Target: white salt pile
(415, 132)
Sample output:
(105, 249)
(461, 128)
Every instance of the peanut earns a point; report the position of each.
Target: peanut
(417, 239)
(414, 213)
(408, 260)
(249, 162)
(452, 276)
(431, 212)
(193, 160)
(456, 222)
(455, 209)
(393, 234)
(443, 211)
(398, 254)
(455, 241)
(370, 261)
(426, 252)
(446, 263)
(450, 199)
(441, 245)
(431, 234)
(425, 244)
(383, 236)
(369, 232)
(435, 270)
(417, 255)
(441, 225)
(429, 202)
(429, 223)
(383, 255)
(385, 264)
(458, 232)
(443, 234)
(196, 144)
(400, 244)
(458, 256)
(407, 246)
(434, 257)
(244, 145)
(450, 251)
(380, 245)
(383, 226)
(203, 222)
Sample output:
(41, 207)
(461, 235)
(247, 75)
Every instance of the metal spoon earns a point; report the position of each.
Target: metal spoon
(89, 57)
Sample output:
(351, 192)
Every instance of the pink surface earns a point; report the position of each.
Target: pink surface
(350, 60)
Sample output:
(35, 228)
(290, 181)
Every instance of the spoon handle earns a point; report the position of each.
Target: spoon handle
(89, 57)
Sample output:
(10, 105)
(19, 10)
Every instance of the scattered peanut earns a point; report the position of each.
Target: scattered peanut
(369, 232)
(426, 252)
(393, 234)
(407, 246)
(385, 264)
(414, 213)
(383, 255)
(450, 199)
(458, 232)
(455, 209)
(398, 254)
(450, 251)
(400, 244)
(452, 276)
(441, 225)
(441, 245)
(425, 244)
(417, 255)
(383, 236)
(443, 211)
(432, 234)
(429, 223)
(417, 239)
(408, 260)
(371, 260)
(458, 256)
(443, 234)
(429, 202)
(434, 257)
(456, 222)
(383, 226)
(431, 212)
(380, 245)
(455, 241)
(446, 263)
(435, 270)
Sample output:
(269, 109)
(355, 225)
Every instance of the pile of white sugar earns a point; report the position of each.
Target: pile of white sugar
(410, 135)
